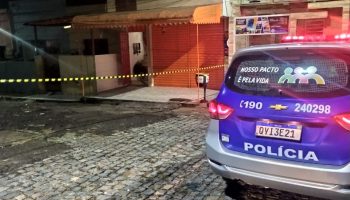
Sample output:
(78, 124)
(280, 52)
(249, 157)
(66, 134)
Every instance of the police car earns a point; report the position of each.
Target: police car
(282, 118)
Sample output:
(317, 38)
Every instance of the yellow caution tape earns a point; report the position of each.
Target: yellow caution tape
(71, 79)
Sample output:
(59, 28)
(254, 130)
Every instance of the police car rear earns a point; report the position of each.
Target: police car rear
(282, 119)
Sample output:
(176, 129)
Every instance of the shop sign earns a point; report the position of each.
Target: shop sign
(259, 25)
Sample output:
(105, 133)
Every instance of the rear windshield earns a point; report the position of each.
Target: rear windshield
(291, 72)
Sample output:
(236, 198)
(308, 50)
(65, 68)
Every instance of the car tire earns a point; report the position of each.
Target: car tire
(235, 189)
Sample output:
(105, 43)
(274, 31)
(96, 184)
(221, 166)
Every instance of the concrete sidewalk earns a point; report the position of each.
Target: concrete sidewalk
(131, 93)
(159, 94)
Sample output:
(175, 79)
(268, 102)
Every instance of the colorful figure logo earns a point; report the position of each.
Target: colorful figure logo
(302, 75)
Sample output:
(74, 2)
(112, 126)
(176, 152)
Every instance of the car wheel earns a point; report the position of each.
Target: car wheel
(235, 189)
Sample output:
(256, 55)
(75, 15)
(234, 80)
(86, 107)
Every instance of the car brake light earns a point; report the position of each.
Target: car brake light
(218, 110)
(343, 120)
(309, 38)
(293, 38)
(316, 38)
(342, 36)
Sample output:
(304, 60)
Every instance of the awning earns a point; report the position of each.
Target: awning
(60, 21)
(209, 14)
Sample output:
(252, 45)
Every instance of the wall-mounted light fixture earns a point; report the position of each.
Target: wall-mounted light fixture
(67, 27)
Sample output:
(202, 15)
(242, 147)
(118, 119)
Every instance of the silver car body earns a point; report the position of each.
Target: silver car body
(331, 182)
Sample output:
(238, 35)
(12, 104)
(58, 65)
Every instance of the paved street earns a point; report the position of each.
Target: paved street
(95, 152)
(121, 150)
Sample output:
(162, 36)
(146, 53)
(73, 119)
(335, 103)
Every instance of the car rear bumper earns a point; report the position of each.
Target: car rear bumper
(314, 180)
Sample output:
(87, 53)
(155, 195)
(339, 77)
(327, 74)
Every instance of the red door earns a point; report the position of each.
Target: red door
(124, 57)
(175, 48)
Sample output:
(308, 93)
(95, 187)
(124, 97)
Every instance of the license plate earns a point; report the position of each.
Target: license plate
(279, 131)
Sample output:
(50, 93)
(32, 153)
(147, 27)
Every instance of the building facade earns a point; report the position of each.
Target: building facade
(33, 34)
(169, 36)
(6, 45)
(303, 18)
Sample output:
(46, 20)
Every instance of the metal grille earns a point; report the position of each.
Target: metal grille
(310, 26)
(333, 71)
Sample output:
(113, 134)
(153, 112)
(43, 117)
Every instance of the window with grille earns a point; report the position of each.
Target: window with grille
(310, 26)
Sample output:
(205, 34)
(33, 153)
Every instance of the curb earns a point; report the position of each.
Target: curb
(94, 100)
(39, 99)
(106, 100)
(190, 104)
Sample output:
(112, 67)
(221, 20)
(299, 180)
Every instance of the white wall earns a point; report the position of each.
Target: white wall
(106, 65)
(135, 37)
(227, 7)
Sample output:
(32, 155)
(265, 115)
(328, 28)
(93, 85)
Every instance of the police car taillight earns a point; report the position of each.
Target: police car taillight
(342, 37)
(292, 38)
(316, 38)
(343, 120)
(218, 110)
(310, 38)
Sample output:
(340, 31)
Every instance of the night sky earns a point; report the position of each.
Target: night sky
(3, 3)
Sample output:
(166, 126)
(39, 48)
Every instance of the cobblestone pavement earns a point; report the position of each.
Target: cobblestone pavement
(162, 160)
(118, 151)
